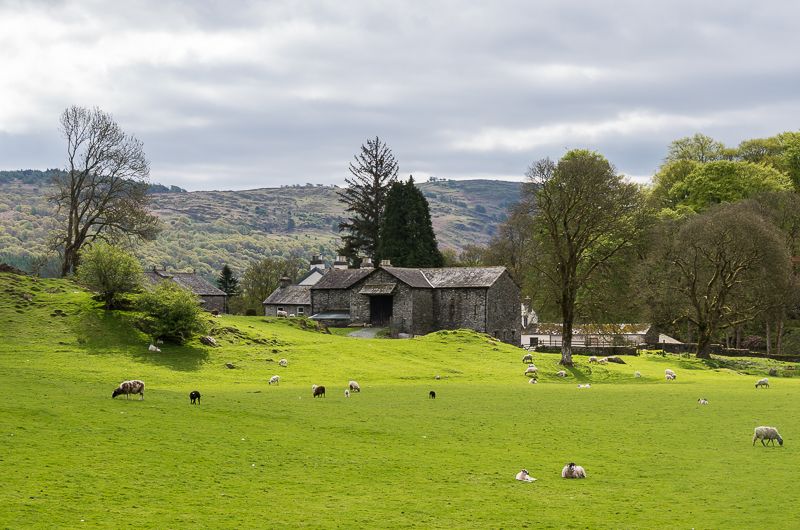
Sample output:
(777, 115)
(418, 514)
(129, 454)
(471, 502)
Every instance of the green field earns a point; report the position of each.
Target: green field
(259, 456)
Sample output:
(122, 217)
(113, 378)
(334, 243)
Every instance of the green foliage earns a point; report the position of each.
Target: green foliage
(109, 270)
(171, 313)
(699, 148)
(227, 282)
(261, 278)
(406, 236)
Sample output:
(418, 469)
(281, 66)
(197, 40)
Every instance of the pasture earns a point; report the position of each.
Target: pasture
(259, 456)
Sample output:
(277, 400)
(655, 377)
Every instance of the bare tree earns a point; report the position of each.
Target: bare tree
(586, 215)
(103, 194)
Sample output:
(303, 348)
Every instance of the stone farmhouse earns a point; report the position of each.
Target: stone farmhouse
(211, 298)
(418, 301)
(296, 299)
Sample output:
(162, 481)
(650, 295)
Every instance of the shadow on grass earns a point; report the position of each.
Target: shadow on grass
(102, 332)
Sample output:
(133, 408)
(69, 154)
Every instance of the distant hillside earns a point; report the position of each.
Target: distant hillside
(205, 229)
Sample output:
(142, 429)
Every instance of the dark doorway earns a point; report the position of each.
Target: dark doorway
(380, 310)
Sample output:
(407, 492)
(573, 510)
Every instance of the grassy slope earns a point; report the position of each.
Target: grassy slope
(254, 456)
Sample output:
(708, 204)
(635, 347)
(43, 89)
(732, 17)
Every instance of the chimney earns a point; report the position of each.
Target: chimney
(285, 281)
(386, 263)
(366, 263)
(340, 263)
(317, 263)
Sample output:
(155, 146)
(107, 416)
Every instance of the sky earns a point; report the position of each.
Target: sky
(241, 94)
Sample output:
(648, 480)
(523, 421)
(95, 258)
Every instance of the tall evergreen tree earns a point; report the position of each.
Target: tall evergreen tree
(373, 171)
(228, 283)
(406, 236)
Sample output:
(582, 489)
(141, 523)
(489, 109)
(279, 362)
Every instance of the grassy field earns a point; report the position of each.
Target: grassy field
(259, 456)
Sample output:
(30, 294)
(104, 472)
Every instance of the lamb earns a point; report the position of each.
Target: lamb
(762, 382)
(767, 433)
(532, 381)
(527, 358)
(637, 373)
(603, 360)
(274, 380)
(431, 395)
(524, 476)
(561, 373)
(354, 387)
(531, 370)
(134, 386)
(702, 401)
(281, 313)
(587, 385)
(318, 391)
(194, 397)
(593, 359)
(347, 393)
(291, 315)
(669, 375)
(283, 362)
(154, 348)
(573, 471)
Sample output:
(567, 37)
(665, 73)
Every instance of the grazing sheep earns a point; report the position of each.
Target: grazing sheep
(603, 360)
(194, 397)
(431, 395)
(134, 386)
(762, 382)
(319, 391)
(274, 380)
(767, 433)
(291, 315)
(531, 370)
(532, 381)
(154, 348)
(281, 313)
(615, 359)
(354, 387)
(702, 401)
(347, 393)
(283, 362)
(561, 373)
(437, 377)
(524, 476)
(669, 375)
(527, 358)
(637, 373)
(593, 359)
(573, 471)
(587, 385)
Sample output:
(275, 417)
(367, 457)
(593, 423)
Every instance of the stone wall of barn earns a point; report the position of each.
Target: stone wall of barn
(422, 319)
(213, 303)
(504, 319)
(460, 308)
(330, 300)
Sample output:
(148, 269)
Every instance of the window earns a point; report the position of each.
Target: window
(300, 310)
(280, 309)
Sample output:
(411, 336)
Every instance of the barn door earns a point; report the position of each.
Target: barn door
(380, 310)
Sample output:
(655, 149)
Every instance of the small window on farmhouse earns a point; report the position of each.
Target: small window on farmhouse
(300, 310)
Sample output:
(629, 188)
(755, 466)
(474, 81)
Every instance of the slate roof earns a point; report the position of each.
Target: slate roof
(188, 280)
(453, 277)
(342, 278)
(411, 277)
(290, 295)
(378, 288)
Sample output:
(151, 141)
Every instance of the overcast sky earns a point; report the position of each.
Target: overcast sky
(237, 95)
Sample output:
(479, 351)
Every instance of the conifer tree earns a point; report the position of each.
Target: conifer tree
(228, 283)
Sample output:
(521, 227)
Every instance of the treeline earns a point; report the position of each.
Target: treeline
(38, 177)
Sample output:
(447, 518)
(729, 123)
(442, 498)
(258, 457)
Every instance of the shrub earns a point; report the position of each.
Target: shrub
(171, 313)
(110, 271)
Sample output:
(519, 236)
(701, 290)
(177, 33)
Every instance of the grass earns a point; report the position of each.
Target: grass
(255, 456)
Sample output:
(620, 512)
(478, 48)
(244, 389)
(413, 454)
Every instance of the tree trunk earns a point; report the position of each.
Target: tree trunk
(779, 337)
(769, 339)
(70, 261)
(703, 342)
(738, 337)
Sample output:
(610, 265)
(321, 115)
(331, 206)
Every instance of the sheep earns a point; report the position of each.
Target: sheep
(573, 471)
(587, 385)
(431, 395)
(531, 370)
(281, 313)
(134, 386)
(603, 360)
(354, 386)
(527, 358)
(702, 401)
(762, 382)
(347, 393)
(274, 380)
(194, 397)
(291, 315)
(637, 373)
(532, 381)
(561, 373)
(767, 433)
(669, 375)
(437, 377)
(154, 348)
(283, 362)
(593, 359)
(319, 391)
(524, 476)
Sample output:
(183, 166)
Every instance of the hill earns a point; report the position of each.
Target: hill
(206, 229)
(254, 456)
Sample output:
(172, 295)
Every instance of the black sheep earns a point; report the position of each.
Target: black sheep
(319, 391)
(431, 395)
(194, 396)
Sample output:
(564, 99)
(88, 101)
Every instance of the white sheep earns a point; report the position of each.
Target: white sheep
(593, 359)
(637, 373)
(762, 382)
(291, 315)
(561, 373)
(281, 313)
(283, 362)
(603, 360)
(669, 375)
(527, 358)
(274, 380)
(702, 401)
(531, 370)
(573, 471)
(347, 393)
(437, 377)
(587, 385)
(532, 381)
(524, 476)
(767, 433)
(154, 348)
(354, 386)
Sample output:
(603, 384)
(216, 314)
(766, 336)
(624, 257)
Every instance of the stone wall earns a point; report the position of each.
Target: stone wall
(328, 300)
(271, 310)
(213, 303)
(422, 319)
(504, 319)
(460, 308)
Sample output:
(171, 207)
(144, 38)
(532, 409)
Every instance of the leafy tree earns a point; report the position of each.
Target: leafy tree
(406, 236)
(109, 270)
(586, 215)
(262, 277)
(228, 283)
(171, 313)
(372, 173)
(718, 269)
(103, 193)
(699, 148)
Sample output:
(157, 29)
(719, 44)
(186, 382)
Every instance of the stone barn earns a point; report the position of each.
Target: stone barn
(211, 298)
(419, 301)
(293, 299)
